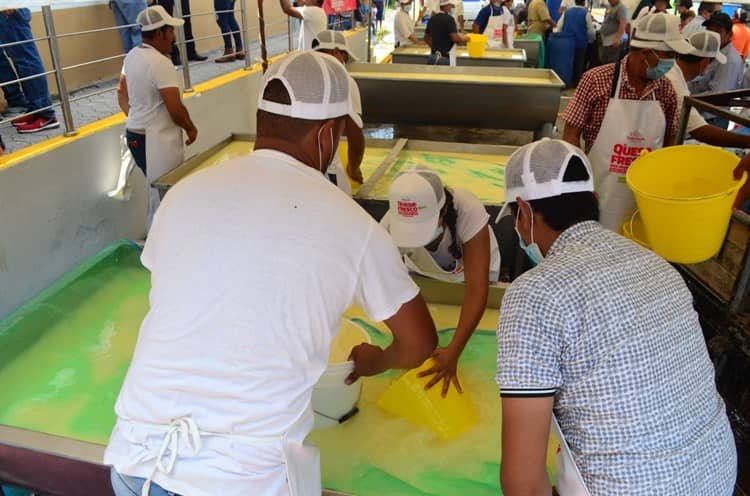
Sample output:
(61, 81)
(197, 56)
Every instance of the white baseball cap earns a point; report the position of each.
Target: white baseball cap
(707, 44)
(660, 32)
(318, 87)
(415, 199)
(443, 3)
(329, 39)
(155, 17)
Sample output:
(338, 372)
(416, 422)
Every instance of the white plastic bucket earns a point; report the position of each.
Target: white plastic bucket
(332, 399)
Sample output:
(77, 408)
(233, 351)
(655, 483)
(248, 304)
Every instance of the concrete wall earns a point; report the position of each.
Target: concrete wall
(84, 48)
(54, 210)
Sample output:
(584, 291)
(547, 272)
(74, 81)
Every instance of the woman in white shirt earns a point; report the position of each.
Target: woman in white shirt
(443, 233)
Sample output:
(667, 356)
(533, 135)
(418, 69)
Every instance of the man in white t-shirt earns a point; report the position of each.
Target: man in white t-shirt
(252, 264)
(149, 94)
(313, 17)
(403, 25)
(334, 43)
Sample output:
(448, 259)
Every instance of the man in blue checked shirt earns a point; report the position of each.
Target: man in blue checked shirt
(602, 337)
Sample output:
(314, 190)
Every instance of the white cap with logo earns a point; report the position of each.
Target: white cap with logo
(660, 32)
(707, 44)
(415, 199)
(318, 87)
(155, 17)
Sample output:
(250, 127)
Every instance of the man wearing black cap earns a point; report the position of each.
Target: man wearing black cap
(720, 77)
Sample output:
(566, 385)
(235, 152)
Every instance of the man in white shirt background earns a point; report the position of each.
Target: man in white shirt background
(252, 265)
(150, 95)
(403, 24)
(313, 20)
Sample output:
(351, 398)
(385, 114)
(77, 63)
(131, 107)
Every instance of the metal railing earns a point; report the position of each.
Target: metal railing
(59, 68)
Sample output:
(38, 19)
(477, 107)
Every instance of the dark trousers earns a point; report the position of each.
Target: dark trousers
(137, 146)
(27, 61)
(169, 7)
(436, 58)
(610, 54)
(13, 93)
(579, 64)
(228, 24)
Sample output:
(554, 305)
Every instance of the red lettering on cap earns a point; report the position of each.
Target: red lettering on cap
(407, 208)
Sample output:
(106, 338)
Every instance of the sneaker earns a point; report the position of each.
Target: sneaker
(23, 121)
(240, 55)
(39, 124)
(196, 57)
(16, 109)
(225, 58)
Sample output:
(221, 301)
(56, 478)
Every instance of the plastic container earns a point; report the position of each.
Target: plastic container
(448, 417)
(684, 196)
(634, 231)
(477, 45)
(332, 400)
(560, 55)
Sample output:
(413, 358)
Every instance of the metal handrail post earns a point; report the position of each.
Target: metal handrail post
(182, 49)
(289, 29)
(369, 33)
(245, 33)
(57, 65)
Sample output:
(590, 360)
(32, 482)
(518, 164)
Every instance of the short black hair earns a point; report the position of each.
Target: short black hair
(151, 34)
(580, 2)
(711, 6)
(563, 211)
(690, 58)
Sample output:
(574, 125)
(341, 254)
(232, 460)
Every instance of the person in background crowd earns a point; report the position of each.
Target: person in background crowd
(565, 4)
(334, 43)
(193, 56)
(741, 33)
(126, 12)
(313, 20)
(15, 26)
(229, 29)
(707, 46)
(619, 109)
(403, 24)
(685, 19)
(720, 77)
(16, 100)
(601, 339)
(647, 4)
(705, 9)
(612, 33)
(442, 35)
(684, 6)
(234, 404)
(379, 14)
(149, 95)
(509, 22)
(492, 21)
(659, 6)
(443, 233)
(576, 22)
(540, 21)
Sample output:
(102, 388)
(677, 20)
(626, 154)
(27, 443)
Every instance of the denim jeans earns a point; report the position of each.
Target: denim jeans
(126, 12)
(137, 146)
(27, 60)
(13, 93)
(227, 23)
(436, 59)
(126, 485)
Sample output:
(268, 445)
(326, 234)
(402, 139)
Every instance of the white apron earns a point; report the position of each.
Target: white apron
(127, 164)
(511, 30)
(164, 152)
(494, 30)
(452, 56)
(420, 261)
(629, 127)
(569, 480)
(182, 437)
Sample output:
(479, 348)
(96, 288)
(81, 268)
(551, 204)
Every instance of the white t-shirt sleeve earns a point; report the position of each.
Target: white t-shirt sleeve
(695, 119)
(472, 216)
(383, 283)
(164, 75)
(402, 27)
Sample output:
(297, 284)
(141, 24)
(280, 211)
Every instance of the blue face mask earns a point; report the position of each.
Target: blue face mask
(438, 232)
(663, 67)
(532, 250)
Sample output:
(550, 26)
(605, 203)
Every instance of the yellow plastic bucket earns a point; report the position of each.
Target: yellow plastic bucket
(477, 45)
(685, 195)
(634, 231)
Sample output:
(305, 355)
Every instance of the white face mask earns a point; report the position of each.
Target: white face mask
(532, 250)
(325, 165)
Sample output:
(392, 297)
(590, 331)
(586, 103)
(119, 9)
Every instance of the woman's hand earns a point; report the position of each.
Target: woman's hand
(445, 369)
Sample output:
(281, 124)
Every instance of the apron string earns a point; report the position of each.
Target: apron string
(614, 91)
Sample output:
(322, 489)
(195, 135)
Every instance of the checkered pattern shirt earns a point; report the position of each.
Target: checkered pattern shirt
(609, 329)
(586, 110)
